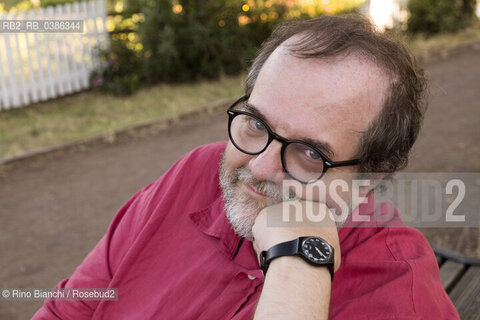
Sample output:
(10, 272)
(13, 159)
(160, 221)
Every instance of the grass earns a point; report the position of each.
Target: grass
(89, 113)
(85, 114)
(422, 43)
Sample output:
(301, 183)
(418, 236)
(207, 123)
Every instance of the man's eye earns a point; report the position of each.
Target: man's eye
(313, 154)
(257, 125)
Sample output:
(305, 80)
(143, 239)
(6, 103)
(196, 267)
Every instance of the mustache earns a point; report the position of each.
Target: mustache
(268, 188)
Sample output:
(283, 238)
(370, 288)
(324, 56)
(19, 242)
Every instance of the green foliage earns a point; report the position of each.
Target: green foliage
(46, 3)
(198, 38)
(439, 16)
(188, 40)
(119, 74)
(185, 41)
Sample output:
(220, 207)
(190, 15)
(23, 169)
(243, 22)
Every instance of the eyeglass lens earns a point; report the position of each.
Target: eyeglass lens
(251, 135)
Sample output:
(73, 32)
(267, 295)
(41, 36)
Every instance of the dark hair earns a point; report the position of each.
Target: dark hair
(385, 145)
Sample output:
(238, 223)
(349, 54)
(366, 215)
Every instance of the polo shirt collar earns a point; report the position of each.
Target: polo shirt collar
(213, 221)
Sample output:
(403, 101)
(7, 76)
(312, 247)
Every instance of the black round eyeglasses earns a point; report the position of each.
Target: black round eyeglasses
(300, 160)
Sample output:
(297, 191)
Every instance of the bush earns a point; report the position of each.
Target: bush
(119, 74)
(196, 39)
(186, 40)
(438, 16)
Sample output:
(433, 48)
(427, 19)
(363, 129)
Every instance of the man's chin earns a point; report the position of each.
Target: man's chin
(241, 211)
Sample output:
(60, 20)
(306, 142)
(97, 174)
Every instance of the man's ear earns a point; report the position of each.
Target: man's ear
(376, 180)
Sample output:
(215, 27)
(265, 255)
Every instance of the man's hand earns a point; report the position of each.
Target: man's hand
(266, 236)
(294, 289)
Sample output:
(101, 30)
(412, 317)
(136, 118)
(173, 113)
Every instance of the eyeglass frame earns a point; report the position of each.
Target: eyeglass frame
(327, 163)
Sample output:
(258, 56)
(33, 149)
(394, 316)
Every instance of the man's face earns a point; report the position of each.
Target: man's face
(331, 101)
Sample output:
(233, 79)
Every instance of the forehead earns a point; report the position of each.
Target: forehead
(332, 100)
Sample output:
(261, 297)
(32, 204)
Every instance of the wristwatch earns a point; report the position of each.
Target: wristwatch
(313, 250)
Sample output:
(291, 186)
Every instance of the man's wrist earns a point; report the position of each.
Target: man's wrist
(293, 284)
(294, 267)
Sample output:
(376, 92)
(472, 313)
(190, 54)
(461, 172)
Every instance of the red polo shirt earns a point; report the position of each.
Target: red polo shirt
(172, 254)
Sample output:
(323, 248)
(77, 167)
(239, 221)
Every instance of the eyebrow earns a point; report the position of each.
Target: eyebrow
(320, 145)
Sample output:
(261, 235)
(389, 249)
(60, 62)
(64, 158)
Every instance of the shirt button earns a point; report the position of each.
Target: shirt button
(251, 277)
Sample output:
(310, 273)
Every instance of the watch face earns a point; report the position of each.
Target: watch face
(316, 250)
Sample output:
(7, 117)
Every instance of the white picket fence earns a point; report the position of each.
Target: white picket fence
(41, 66)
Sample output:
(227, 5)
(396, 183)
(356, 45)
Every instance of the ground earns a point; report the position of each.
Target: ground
(55, 208)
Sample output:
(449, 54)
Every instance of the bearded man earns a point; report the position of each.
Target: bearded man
(324, 98)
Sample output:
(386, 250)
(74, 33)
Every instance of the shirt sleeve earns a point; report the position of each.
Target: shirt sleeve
(99, 267)
(391, 274)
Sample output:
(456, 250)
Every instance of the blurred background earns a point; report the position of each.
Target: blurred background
(140, 60)
(88, 118)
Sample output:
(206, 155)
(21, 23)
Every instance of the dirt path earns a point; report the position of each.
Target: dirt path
(53, 210)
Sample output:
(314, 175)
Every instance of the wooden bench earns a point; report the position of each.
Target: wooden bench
(460, 277)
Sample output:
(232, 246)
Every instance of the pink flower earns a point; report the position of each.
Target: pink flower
(97, 81)
(111, 61)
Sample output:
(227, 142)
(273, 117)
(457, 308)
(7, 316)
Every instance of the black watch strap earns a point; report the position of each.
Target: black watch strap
(288, 248)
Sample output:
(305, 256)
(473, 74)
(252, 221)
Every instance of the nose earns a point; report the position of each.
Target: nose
(268, 165)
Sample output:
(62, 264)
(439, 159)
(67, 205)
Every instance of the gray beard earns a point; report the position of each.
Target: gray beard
(241, 209)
